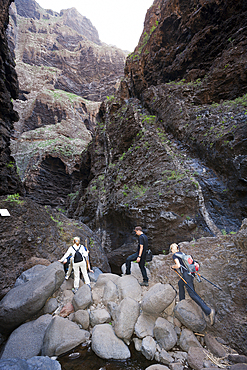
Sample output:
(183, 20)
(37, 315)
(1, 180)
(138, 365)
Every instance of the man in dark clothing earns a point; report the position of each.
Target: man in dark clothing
(188, 277)
(139, 256)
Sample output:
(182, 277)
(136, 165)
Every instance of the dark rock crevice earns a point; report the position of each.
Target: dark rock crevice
(50, 184)
(9, 180)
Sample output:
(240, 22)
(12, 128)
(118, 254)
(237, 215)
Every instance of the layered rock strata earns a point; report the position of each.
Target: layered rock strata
(64, 70)
(68, 42)
(188, 40)
(136, 178)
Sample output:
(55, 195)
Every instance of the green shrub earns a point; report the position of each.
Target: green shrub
(14, 198)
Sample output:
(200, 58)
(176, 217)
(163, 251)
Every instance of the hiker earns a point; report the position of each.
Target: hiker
(82, 265)
(139, 256)
(188, 277)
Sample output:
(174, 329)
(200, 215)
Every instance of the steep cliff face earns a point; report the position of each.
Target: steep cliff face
(69, 42)
(137, 177)
(9, 180)
(64, 71)
(166, 155)
(201, 48)
(193, 40)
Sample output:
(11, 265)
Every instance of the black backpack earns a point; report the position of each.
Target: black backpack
(149, 256)
(78, 256)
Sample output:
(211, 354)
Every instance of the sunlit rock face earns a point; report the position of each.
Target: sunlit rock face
(69, 43)
(64, 72)
(9, 180)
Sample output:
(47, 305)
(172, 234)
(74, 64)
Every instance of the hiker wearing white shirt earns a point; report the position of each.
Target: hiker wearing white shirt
(80, 260)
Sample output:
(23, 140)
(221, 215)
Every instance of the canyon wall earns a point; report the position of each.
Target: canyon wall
(64, 72)
(9, 180)
(170, 149)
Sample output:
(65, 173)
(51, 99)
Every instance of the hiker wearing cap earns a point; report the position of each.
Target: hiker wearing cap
(139, 256)
(187, 279)
(80, 260)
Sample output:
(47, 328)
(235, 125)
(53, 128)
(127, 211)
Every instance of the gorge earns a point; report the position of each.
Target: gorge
(100, 145)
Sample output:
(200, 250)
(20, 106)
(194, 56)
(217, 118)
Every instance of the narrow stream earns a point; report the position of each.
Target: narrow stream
(83, 358)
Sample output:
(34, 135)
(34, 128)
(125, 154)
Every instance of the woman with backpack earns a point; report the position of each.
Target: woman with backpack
(187, 280)
(80, 259)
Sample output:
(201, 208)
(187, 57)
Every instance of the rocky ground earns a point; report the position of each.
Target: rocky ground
(169, 153)
(118, 309)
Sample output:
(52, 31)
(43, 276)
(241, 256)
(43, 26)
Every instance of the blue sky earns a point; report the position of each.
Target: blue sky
(119, 22)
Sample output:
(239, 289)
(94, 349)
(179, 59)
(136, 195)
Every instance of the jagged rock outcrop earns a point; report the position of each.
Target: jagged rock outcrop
(64, 71)
(189, 57)
(193, 40)
(9, 180)
(35, 231)
(137, 178)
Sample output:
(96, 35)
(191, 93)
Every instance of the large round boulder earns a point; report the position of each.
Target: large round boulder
(83, 298)
(99, 316)
(107, 345)
(145, 325)
(36, 362)
(191, 315)
(61, 336)
(27, 340)
(125, 318)
(188, 339)
(24, 301)
(165, 334)
(128, 286)
(158, 298)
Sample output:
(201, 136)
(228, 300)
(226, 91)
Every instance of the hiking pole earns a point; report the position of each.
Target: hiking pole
(186, 283)
(208, 281)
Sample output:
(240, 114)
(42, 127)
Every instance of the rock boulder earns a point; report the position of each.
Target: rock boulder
(83, 298)
(165, 334)
(27, 340)
(125, 318)
(24, 301)
(61, 336)
(107, 345)
(158, 298)
(37, 363)
(191, 315)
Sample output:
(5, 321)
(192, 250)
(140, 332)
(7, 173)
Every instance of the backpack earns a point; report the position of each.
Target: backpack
(149, 256)
(190, 264)
(78, 257)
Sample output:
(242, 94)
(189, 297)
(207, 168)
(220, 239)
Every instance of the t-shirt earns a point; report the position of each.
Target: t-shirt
(71, 251)
(143, 240)
(182, 265)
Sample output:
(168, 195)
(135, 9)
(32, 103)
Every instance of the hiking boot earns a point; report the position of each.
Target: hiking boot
(74, 290)
(66, 277)
(144, 283)
(212, 316)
